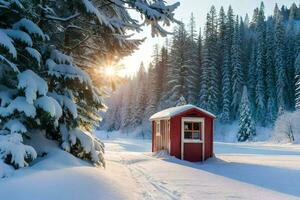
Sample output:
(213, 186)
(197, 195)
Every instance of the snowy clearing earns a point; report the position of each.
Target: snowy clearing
(239, 171)
(258, 170)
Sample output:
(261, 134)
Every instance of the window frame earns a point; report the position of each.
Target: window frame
(201, 129)
(193, 141)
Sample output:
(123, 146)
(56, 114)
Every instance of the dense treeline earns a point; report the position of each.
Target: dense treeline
(211, 70)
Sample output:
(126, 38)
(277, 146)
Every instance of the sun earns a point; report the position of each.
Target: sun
(109, 71)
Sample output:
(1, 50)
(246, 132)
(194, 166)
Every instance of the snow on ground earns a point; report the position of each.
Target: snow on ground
(239, 171)
(60, 176)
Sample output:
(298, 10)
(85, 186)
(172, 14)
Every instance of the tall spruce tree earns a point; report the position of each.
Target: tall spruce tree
(290, 55)
(209, 84)
(246, 123)
(280, 62)
(192, 62)
(227, 67)
(178, 72)
(270, 73)
(297, 80)
(237, 72)
(221, 47)
(261, 66)
(141, 96)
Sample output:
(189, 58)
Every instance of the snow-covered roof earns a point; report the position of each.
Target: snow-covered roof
(170, 112)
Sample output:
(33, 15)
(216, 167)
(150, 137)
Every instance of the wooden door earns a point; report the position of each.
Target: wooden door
(192, 139)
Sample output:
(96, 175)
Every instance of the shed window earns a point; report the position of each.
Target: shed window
(192, 130)
(157, 128)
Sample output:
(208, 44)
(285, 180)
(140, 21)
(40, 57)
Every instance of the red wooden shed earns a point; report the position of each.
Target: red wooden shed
(186, 132)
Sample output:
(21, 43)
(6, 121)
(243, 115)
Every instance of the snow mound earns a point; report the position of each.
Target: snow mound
(161, 154)
(5, 170)
(170, 112)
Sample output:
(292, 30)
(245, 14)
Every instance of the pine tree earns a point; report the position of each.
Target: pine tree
(251, 81)
(209, 92)
(291, 56)
(237, 73)
(246, 123)
(297, 80)
(192, 63)
(270, 73)
(226, 68)
(181, 101)
(281, 78)
(199, 64)
(141, 96)
(24, 101)
(177, 75)
(261, 66)
(221, 48)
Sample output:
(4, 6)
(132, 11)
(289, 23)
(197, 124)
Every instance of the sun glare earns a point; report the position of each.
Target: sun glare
(110, 71)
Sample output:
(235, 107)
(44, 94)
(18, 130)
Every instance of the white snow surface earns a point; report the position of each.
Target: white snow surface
(239, 171)
(170, 112)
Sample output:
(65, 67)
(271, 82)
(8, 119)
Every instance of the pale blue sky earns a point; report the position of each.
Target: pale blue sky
(200, 9)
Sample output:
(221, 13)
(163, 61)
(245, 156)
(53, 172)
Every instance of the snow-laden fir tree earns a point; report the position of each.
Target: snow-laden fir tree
(280, 65)
(24, 100)
(297, 77)
(270, 73)
(181, 101)
(226, 68)
(290, 54)
(246, 123)
(151, 88)
(177, 75)
(261, 66)
(141, 96)
(209, 91)
(192, 64)
(221, 48)
(237, 71)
